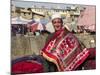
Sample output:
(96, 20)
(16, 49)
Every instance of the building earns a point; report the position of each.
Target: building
(39, 10)
(13, 11)
(26, 13)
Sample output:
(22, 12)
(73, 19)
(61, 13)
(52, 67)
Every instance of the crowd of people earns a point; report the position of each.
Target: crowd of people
(25, 29)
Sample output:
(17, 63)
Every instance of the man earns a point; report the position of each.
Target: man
(57, 23)
(63, 48)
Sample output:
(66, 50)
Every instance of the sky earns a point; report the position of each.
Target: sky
(20, 3)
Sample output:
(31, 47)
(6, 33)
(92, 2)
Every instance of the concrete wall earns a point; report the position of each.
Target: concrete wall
(21, 45)
(89, 41)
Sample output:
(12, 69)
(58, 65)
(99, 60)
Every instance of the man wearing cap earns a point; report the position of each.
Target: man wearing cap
(57, 23)
(63, 48)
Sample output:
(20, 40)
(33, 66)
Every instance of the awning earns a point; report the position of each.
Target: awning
(88, 18)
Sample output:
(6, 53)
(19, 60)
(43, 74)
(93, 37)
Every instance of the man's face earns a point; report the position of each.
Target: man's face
(57, 23)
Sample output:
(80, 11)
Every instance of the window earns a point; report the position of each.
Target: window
(29, 13)
(24, 13)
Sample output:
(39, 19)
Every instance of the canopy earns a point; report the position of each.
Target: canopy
(19, 20)
(35, 25)
(87, 18)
